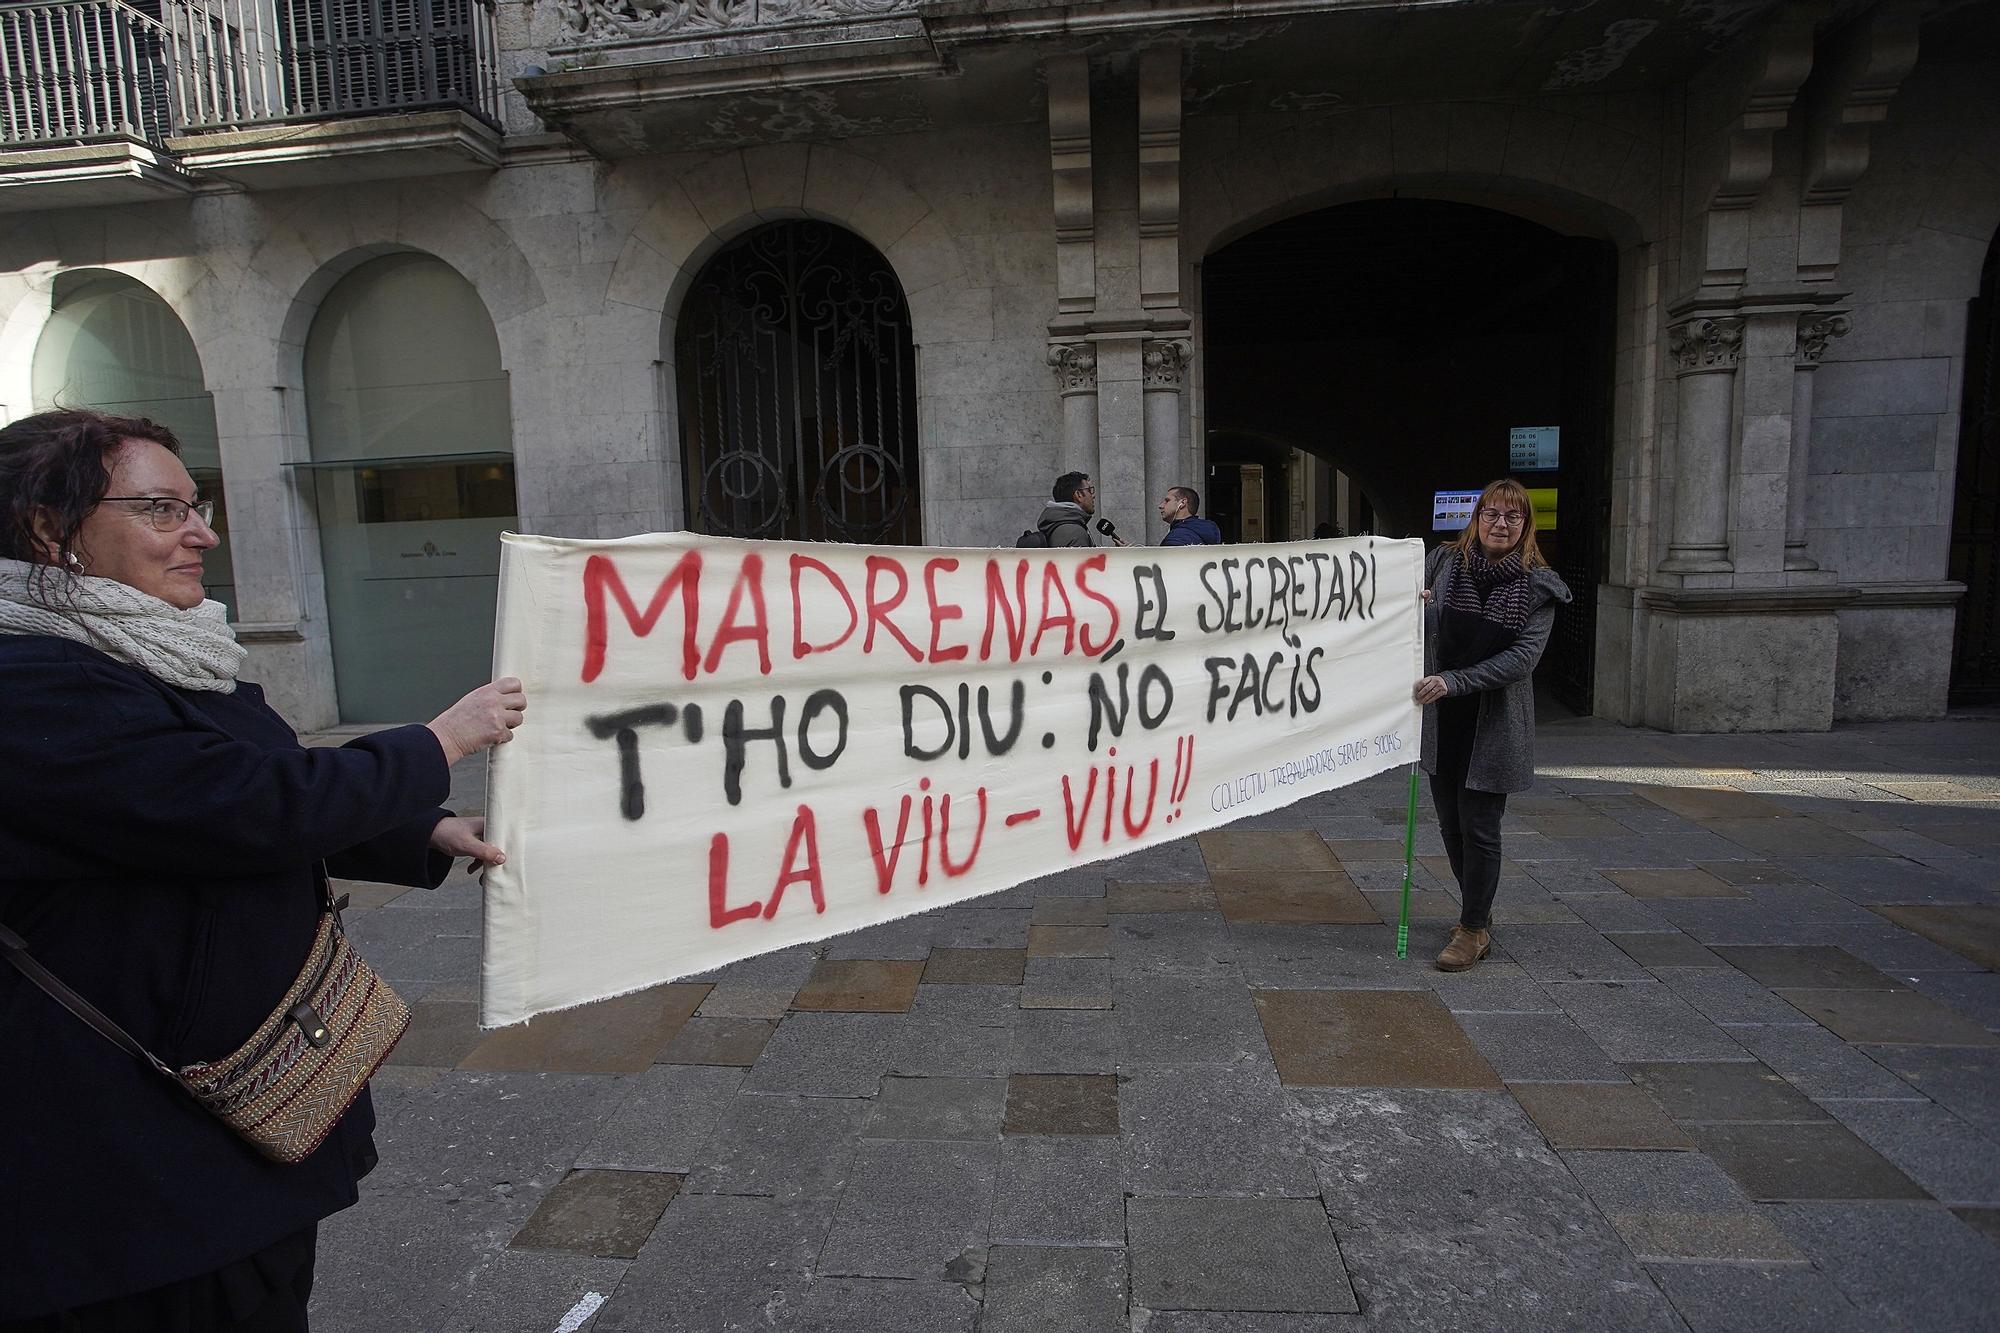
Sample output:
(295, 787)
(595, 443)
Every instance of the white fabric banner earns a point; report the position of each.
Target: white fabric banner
(736, 746)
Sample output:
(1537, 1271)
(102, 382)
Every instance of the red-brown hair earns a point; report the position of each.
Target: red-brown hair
(1506, 493)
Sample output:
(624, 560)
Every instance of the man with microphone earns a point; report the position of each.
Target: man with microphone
(1066, 519)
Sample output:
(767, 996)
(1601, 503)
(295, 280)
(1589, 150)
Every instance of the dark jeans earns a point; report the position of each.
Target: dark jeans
(1470, 823)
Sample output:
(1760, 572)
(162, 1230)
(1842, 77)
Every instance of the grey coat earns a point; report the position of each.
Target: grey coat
(1065, 524)
(1503, 741)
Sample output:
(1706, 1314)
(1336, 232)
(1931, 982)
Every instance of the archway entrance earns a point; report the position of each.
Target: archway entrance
(1975, 524)
(1417, 348)
(798, 391)
(413, 480)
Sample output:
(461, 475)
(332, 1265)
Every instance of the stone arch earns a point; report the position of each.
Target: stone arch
(706, 208)
(1567, 171)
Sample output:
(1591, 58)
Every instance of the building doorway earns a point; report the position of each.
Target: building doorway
(1975, 523)
(798, 391)
(1416, 348)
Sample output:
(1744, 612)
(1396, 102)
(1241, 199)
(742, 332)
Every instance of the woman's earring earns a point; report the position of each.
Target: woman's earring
(75, 565)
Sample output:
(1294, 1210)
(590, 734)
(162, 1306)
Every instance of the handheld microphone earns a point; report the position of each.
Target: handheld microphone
(1104, 526)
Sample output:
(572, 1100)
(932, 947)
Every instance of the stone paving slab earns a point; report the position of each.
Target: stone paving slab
(1905, 1266)
(616, 1036)
(665, 1121)
(1598, 1115)
(1369, 1039)
(914, 1210)
(1655, 949)
(1059, 1190)
(1235, 1254)
(1210, 1132)
(951, 1109)
(1734, 1298)
(1792, 1162)
(1801, 966)
(843, 1304)
(1956, 1163)
(1971, 930)
(606, 1214)
(1065, 1104)
(718, 1041)
(1888, 1016)
(726, 1263)
(1538, 1048)
(1045, 1290)
(861, 986)
(1719, 1091)
(1643, 1020)
(1066, 983)
(1171, 897)
(1305, 897)
(1690, 882)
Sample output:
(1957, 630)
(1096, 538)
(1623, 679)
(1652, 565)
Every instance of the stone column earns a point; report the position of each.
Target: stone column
(1076, 367)
(1705, 353)
(1166, 365)
(1816, 329)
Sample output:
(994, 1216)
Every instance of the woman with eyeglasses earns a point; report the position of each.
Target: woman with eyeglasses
(161, 833)
(1490, 600)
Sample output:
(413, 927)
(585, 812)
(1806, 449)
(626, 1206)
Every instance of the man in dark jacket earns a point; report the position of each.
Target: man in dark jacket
(1185, 526)
(1065, 519)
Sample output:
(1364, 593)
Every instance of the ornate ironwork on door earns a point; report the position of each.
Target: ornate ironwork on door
(798, 391)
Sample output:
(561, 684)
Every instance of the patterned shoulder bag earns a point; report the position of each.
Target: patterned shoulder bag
(284, 1089)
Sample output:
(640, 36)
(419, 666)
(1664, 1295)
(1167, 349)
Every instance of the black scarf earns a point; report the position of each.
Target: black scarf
(1495, 590)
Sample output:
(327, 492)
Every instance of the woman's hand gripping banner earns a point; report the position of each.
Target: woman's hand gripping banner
(736, 746)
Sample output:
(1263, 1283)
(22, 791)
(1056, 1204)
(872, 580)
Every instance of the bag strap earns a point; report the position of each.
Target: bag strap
(16, 951)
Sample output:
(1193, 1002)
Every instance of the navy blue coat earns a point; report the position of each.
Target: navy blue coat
(158, 850)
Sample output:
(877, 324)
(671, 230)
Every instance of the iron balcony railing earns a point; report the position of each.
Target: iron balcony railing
(79, 72)
(100, 69)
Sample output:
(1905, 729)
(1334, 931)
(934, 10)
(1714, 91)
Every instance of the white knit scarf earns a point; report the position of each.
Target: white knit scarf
(194, 650)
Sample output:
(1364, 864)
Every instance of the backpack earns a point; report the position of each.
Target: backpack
(1036, 538)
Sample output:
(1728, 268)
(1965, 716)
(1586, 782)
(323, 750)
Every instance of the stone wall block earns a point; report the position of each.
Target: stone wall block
(1765, 446)
(557, 189)
(1537, 141)
(1882, 388)
(1780, 669)
(675, 227)
(1882, 499)
(1419, 134)
(926, 256)
(1478, 139)
(884, 209)
(1594, 159)
(777, 176)
(482, 252)
(1929, 264)
(949, 313)
(1874, 444)
(642, 278)
(548, 241)
(719, 189)
(1894, 663)
(834, 182)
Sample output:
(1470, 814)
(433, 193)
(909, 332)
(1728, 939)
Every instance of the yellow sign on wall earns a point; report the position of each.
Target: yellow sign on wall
(1543, 498)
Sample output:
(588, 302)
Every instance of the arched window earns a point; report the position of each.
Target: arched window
(112, 344)
(413, 477)
(798, 391)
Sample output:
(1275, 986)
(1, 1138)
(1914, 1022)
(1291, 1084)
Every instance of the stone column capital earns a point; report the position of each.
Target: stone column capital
(1706, 345)
(1817, 328)
(1166, 362)
(1075, 365)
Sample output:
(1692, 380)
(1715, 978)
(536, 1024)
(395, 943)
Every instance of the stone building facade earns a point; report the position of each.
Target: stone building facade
(1797, 202)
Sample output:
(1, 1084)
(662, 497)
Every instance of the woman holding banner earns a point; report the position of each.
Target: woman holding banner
(1490, 600)
(160, 878)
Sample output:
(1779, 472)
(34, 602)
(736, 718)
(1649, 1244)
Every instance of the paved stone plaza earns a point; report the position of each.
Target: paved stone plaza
(1732, 1065)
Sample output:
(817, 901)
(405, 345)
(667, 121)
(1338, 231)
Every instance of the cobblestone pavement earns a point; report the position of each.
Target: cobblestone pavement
(1732, 1065)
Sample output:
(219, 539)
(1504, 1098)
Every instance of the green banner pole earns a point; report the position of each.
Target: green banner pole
(1409, 856)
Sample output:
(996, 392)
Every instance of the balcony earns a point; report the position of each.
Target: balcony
(105, 102)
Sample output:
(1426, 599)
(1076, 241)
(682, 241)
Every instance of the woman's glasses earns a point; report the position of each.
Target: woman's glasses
(1504, 518)
(168, 514)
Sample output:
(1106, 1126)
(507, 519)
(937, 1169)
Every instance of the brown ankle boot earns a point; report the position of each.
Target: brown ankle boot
(1466, 948)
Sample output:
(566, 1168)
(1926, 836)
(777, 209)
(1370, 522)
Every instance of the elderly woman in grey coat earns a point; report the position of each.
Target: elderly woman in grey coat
(1490, 600)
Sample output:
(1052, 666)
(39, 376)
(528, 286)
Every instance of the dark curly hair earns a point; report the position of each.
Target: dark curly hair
(56, 467)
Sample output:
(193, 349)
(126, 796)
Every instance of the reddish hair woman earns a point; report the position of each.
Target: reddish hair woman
(1490, 601)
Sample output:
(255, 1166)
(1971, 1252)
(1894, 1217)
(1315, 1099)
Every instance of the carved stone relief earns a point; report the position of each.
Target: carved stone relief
(618, 19)
(1705, 344)
(1166, 363)
(1076, 366)
(1816, 330)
